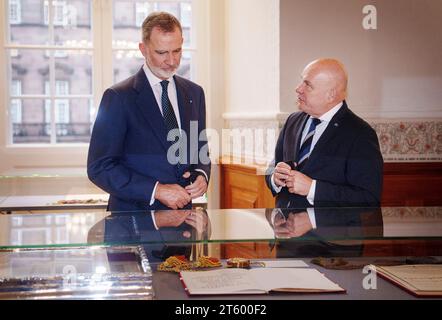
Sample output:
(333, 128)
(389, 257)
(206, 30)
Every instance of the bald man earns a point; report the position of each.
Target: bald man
(325, 156)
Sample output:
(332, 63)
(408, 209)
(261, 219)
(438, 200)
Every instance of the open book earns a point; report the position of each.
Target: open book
(257, 281)
(421, 280)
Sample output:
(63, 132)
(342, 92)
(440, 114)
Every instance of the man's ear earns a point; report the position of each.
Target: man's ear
(142, 48)
(331, 94)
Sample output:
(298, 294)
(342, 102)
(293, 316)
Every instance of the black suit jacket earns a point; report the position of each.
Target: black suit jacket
(129, 146)
(346, 162)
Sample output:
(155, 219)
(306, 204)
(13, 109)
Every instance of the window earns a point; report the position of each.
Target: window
(15, 11)
(125, 37)
(61, 105)
(39, 68)
(59, 12)
(142, 10)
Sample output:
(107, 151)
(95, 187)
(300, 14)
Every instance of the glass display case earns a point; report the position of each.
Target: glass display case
(112, 255)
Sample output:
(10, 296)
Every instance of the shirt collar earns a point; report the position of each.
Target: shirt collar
(153, 79)
(330, 113)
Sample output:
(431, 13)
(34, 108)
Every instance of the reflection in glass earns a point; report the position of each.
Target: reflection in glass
(239, 225)
(163, 233)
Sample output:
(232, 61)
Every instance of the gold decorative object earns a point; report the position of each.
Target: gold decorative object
(180, 263)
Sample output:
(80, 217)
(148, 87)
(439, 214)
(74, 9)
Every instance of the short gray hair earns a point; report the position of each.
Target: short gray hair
(163, 20)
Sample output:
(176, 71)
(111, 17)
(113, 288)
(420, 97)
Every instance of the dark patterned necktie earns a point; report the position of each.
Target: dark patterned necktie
(305, 150)
(168, 113)
(169, 116)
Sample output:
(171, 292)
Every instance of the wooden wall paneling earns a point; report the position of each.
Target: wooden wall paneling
(412, 184)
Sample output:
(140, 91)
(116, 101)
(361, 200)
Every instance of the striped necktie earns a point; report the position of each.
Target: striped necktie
(305, 150)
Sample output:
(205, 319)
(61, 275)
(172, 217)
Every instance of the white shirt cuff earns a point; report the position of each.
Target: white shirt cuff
(311, 216)
(205, 174)
(153, 219)
(275, 188)
(311, 193)
(152, 197)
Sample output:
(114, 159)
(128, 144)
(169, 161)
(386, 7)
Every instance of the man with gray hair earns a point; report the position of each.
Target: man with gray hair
(130, 150)
(325, 156)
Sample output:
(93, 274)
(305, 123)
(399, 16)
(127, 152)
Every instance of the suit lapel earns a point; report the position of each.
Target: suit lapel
(184, 104)
(149, 108)
(332, 129)
(294, 140)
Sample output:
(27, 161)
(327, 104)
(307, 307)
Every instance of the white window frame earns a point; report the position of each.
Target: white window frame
(16, 103)
(70, 155)
(62, 109)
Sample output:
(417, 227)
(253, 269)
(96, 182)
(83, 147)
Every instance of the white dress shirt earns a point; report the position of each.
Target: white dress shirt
(320, 128)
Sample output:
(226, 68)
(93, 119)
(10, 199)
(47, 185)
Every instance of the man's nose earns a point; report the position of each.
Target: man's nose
(299, 89)
(169, 59)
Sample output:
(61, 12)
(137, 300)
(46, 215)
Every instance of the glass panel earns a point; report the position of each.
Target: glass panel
(126, 64)
(73, 120)
(31, 67)
(216, 226)
(73, 27)
(34, 126)
(27, 23)
(75, 71)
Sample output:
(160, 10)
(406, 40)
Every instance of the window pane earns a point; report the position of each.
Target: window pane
(33, 128)
(74, 27)
(75, 71)
(185, 69)
(73, 120)
(126, 64)
(130, 14)
(30, 28)
(31, 67)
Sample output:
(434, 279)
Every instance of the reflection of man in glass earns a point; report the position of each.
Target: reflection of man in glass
(139, 123)
(161, 233)
(324, 232)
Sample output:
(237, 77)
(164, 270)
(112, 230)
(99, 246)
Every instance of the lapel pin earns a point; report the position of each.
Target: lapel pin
(336, 124)
(190, 101)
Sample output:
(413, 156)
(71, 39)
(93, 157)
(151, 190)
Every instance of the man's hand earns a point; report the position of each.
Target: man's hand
(298, 183)
(296, 225)
(172, 195)
(198, 220)
(170, 218)
(281, 173)
(197, 188)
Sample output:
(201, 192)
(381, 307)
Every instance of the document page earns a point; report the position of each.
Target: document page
(293, 279)
(421, 277)
(220, 281)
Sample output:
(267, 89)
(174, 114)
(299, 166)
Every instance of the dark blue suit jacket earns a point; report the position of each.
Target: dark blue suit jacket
(128, 148)
(346, 162)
